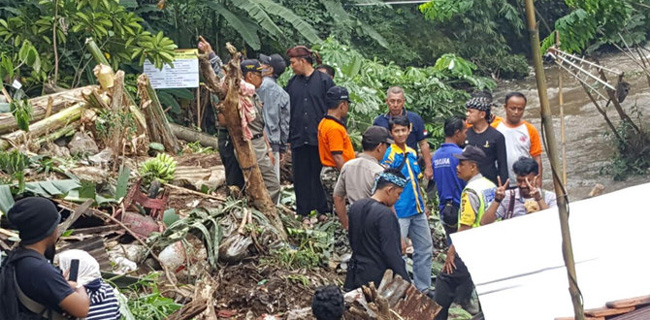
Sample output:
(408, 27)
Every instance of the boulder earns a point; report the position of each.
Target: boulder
(83, 144)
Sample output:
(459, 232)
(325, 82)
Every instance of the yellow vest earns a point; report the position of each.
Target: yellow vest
(485, 190)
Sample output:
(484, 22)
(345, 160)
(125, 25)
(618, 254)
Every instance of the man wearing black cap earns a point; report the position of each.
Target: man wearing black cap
(307, 91)
(30, 287)
(358, 175)
(454, 282)
(276, 106)
(334, 145)
(483, 136)
(252, 71)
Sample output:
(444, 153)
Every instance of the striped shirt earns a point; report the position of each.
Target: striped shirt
(103, 303)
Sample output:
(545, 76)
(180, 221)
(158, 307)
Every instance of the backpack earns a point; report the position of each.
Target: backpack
(11, 296)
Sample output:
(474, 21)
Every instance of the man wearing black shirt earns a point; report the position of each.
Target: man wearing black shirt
(29, 285)
(490, 140)
(307, 91)
(375, 234)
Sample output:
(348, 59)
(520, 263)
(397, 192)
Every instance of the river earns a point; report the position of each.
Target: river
(588, 149)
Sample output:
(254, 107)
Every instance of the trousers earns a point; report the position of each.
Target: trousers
(266, 168)
(328, 178)
(234, 175)
(306, 180)
(457, 287)
(417, 229)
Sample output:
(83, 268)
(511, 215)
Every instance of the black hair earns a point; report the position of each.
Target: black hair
(368, 146)
(400, 121)
(452, 125)
(525, 166)
(336, 105)
(328, 303)
(328, 69)
(382, 183)
(515, 94)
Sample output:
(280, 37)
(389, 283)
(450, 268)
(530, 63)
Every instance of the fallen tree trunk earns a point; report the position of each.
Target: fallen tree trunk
(157, 124)
(190, 135)
(255, 187)
(40, 128)
(59, 101)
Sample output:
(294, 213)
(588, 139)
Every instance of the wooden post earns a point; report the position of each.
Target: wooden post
(255, 187)
(545, 109)
(560, 96)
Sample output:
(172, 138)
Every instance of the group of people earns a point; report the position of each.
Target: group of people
(489, 168)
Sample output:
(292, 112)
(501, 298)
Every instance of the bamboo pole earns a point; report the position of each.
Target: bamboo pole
(561, 102)
(545, 110)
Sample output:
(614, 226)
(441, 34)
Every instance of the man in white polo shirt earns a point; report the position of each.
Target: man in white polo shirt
(522, 138)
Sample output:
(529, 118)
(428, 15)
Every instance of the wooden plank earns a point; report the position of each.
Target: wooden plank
(632, 302)
(606, 312)
(586, 318)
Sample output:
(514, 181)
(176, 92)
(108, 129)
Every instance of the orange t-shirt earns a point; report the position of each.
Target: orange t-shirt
(333, 138)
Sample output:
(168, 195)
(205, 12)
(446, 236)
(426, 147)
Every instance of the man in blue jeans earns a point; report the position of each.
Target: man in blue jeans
(411, 212)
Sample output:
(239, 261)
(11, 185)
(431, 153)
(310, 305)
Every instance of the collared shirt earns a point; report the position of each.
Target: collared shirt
(332, 139)
(518, 207)
(307, 100)
(276, 113)
(411, 202)
(449, 184)
(257, 125)
(418, 132)
(357, 178)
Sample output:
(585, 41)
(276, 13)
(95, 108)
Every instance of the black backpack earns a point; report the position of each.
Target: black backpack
(11, 297)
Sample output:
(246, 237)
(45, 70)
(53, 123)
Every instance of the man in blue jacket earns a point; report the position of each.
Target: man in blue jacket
(444, 173)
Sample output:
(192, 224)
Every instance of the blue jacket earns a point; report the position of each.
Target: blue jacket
(411, 201)
(444, 173)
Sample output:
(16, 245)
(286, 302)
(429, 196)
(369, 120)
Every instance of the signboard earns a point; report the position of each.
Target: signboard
(184, 74)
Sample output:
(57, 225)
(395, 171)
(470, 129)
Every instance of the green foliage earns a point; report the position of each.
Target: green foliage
(489, 23)
(58, 29)
(431, 92)
(161, 168)
(22, 111)
(150, 305)
(14, 163)
(108, 122)
(312, 248)
(593, 23)
(633, 150)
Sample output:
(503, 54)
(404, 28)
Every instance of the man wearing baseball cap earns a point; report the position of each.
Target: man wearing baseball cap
(276, 109)
(252, 71)
(455, 282)
(29, 285)
(358, 175)
(334, 145)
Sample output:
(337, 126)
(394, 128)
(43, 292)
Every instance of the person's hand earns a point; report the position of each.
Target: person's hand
(449, 265)
(73, 284)
(282, 158)
(272, 157)
(500, 193)
(533, 190)
(204, 46)
(427, 211)
(403, 241)
(428, 173)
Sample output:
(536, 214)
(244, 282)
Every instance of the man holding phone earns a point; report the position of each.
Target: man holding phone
(30, 286)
